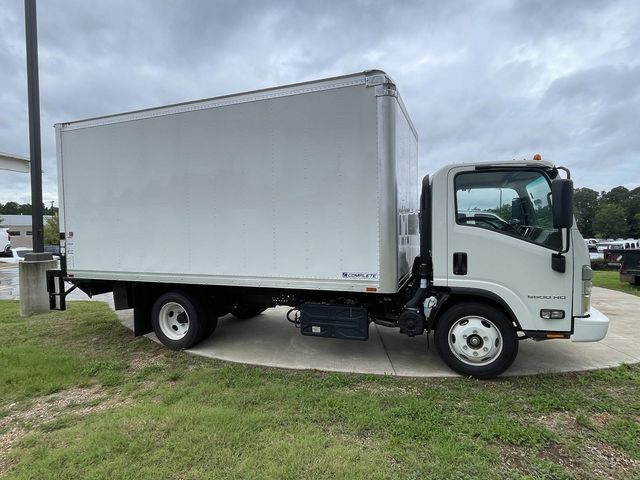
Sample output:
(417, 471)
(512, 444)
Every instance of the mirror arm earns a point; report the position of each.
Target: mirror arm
(565, 248)
(565, 169)
(558, 261)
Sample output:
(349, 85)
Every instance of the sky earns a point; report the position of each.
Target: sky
(482, 80)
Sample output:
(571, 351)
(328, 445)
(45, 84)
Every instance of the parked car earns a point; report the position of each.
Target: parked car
(17, 255)
(603, 246)
(595, 255)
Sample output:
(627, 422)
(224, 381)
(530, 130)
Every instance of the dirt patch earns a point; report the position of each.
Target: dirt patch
(601, 419)
(512, 458)
(592, 461)
(20, 419)
(142, 360)
(558, 421)
(607, 462)
(556, 454)
(595, 459)
(378, 389)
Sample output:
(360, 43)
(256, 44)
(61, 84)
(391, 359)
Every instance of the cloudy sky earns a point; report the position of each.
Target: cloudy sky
(481, 80)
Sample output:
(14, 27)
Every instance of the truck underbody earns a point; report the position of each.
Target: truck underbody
(415, 309)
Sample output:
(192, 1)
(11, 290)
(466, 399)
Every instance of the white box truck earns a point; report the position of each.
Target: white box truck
(308, 195)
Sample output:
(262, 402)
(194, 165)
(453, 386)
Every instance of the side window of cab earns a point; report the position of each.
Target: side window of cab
(516, 203)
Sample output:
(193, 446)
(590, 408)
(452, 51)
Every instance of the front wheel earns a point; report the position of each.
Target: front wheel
(476, 339)
(179, 320)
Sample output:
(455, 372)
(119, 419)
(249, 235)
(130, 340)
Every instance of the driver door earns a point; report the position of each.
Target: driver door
(500, 242)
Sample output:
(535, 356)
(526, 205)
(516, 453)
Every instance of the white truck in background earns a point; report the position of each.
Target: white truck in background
(5, 240)
(308, 195)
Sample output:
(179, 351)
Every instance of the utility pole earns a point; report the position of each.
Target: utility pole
(33, 92)
(33, 270)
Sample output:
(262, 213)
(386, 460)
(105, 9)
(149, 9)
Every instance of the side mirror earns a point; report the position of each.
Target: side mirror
(562, 200)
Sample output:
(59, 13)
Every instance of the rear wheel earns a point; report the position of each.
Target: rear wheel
(244, 312)
(179, 320)
(476, 339)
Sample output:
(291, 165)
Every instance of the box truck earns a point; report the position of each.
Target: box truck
(308, 195)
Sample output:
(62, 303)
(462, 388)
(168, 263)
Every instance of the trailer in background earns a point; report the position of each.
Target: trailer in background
(629, 265)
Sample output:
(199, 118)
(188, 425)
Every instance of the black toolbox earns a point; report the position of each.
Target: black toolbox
(335, 321)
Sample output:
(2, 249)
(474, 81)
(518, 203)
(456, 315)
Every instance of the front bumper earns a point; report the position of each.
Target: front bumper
(591, 328)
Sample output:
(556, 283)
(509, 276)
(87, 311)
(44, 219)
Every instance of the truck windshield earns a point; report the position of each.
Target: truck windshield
(514, 203)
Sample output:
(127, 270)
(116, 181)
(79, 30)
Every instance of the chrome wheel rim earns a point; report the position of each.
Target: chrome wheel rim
(475, 340)
(174, 321)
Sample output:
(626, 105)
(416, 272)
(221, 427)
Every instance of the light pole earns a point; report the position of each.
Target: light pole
(33, 93)
(33, 270)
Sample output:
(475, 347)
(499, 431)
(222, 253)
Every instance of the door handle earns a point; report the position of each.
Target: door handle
(460, 263)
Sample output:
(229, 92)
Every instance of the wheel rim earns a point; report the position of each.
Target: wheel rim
(475, 340)
(173, 320)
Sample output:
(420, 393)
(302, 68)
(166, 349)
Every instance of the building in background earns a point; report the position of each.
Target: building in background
(19, 229)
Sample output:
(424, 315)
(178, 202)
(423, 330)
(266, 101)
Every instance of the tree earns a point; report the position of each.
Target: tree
(632, 208)
(25, 209)
(11, 208)
(585, 206)
(50, 210)
(636, 225)
(52, 231)
(616, 196)
(610, 221)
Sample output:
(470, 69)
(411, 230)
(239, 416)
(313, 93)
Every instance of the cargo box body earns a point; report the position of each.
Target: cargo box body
(308, 186)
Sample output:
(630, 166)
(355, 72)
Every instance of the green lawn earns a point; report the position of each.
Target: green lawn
(81, 398)
(609, 279)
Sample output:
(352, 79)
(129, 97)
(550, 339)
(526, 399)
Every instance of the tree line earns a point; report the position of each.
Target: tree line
(612, 214)
(15, 208)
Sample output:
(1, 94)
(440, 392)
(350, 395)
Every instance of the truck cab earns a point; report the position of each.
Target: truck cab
(496, 242)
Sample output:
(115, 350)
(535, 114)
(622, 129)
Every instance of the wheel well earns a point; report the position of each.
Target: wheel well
(458, 298)
(144, 296)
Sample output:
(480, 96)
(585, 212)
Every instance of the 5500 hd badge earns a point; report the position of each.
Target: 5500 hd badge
(547, 297)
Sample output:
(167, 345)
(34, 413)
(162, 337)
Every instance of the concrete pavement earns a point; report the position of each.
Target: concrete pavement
(270, 340)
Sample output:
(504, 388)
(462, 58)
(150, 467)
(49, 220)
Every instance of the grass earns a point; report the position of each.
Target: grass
(611, 279)
(81, 398)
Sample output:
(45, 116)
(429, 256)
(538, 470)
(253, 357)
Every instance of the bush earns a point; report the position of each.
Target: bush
(51, 230)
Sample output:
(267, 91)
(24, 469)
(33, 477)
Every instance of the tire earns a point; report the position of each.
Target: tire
(477, 340)
(211, 324)
(244, 312)
(179, 320)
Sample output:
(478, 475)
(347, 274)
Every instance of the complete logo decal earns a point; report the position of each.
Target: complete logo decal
(359, 276)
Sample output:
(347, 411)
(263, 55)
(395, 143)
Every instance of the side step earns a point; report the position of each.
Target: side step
(335, 321)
